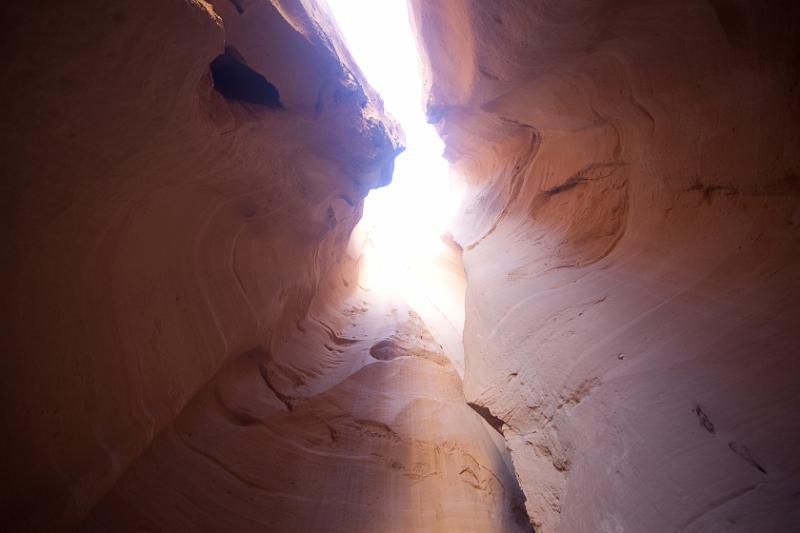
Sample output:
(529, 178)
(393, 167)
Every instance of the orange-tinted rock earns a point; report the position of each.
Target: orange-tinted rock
(632, 252)
(155, 228)
(187, 344)
(391, 445)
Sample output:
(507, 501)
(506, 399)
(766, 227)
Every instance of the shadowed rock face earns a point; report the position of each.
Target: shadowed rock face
(234, 80)
(188, 346)
(632, 252)
(163, 213)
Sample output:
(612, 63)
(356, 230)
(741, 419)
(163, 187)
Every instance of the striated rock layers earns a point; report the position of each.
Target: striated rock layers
(179, 178)
(632, 252)
(189, 346)
(392, 446)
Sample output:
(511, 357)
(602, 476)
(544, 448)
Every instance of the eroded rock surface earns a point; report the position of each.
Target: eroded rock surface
(391, 446)
(179, 176)
(187, 345)
(632, 252)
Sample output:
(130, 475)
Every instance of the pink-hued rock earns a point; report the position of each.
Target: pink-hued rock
(155, 229)
(390, 446)
(632, 252)
(188, 345)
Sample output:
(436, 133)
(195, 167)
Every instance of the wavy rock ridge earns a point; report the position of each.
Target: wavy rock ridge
(631, 250)
(188, 346)
(181, 177)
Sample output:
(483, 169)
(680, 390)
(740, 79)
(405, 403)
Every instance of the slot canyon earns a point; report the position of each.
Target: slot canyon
(605, 339)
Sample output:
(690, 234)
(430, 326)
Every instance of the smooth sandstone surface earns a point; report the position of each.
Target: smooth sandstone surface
(154, 228)
(188, 344)
(390, 447)
(190, 348)
(632, 252)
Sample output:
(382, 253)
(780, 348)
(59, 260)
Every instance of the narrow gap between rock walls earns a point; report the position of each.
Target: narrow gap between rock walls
(403, 222)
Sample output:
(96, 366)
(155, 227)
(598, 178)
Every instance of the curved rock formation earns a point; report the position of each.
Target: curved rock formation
(391, 447)
(180, 176)
(632, 252)
(189, 346)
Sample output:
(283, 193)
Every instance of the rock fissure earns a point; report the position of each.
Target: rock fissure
(236, 81)
(607, 337)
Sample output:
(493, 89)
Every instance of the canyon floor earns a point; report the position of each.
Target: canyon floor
(388, 444)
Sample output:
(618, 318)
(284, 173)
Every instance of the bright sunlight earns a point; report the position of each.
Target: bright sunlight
(404, 221)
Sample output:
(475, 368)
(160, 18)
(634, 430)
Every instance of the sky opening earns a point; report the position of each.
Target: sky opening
(405, 220)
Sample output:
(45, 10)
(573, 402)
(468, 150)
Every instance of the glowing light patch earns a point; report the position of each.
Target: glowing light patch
(404, 221)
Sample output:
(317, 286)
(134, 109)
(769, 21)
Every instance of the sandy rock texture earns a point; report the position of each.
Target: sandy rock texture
(632, 251)
(389, 445)
(179, 176)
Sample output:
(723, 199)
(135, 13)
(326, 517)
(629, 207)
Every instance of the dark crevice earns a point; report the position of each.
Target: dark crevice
(570, 183)
(239, 5)
(592, 172)
(520, 512)
(284, 399)
(705, 422)
(732, 20)
(234, 80)
(494, 421)
(745, 453)
(386, 350)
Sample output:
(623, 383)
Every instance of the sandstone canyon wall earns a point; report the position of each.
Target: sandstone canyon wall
(179, 177)
(188, 345)
(632, 251)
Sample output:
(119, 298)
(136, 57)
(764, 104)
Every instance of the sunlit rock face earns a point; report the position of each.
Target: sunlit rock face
(632, 252)
(191, 347)
(179, 178)
(392, 446)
